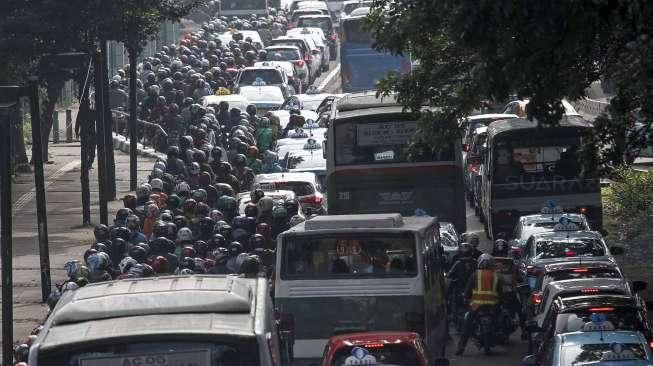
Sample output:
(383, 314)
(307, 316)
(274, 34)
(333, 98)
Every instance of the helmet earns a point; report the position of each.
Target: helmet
(216, 215)
(256, 195)
(227, 204)
(126, 263)
(216, 241)
(184, 234)
(180, 221)
(101, 232)
(189, 206)
(161, 165)
(202, 209)
(129, 201)
(224, 189)
(235, 248)
(240, 160)
(194, 169)
(485, 261)
(144, 190)
(159, 229)
(139, 253)
(251, 210)
(173, 151)
(473, 240)
(157, 184)
(122, 214)
(201, 248)
(257, 241)
(152, 211)
(466, 250)
(182, 187)
(220, 254)
(199, 195)
(501, 246)
(173, 201)
(250, 266)
(120, 232)
(279, 212)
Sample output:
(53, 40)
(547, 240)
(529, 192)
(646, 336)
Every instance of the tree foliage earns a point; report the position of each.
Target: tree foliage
(473, 51)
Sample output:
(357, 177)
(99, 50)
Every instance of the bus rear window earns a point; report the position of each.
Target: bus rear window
(383, 142)
(353, 31)
(377, 354)
(349, 256)
(243, 4)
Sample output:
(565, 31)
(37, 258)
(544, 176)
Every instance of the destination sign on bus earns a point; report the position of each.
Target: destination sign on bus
(386, 133)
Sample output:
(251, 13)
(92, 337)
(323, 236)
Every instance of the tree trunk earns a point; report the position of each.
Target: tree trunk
(134, 51)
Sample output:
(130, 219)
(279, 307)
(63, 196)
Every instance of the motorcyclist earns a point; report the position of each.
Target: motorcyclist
(459, 274)
(511, 277)
(483, 289)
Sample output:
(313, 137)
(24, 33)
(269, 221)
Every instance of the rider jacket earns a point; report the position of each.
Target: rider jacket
(483, 288)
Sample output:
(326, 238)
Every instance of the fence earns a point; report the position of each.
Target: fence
(149, 134)
(589, 107)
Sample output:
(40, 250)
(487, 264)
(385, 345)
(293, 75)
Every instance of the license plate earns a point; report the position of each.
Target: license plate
(182, 358)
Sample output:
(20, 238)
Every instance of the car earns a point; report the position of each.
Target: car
(469, 125)
(278, 195)
(308, 53)
(622, 347)
(360, 11)
(554, 272)
(313, 5)
(518, 107)
(234, 100)
(284, 116)
(177, 320)
(450, 241)
(578, 287)
(305, 185)
(326, 24)
(307, 101)
(298, 138)
(294, 18)
(294, 5)
(293, 55)
(529, 225)
(350, 5)
(318, 37)
(563, 246)
(571, 314)
(375, 348)
(264, 75)
(265, 97)
(228, 36)
(308, 158)
(287, 67)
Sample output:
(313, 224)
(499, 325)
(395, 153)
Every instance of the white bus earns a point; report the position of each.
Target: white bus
(243, 7)
(348, 273)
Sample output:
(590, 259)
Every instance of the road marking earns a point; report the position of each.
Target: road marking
(328, 78)
(28, 196)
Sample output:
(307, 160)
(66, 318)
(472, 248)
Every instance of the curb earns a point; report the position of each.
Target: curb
(122, 143)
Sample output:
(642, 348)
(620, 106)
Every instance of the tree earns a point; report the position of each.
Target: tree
(133, 22)
(470, 51)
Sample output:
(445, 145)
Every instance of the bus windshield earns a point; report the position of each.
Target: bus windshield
(354, 32)
(349, 256)
(381, 142)
(243, 4)
(520, 158)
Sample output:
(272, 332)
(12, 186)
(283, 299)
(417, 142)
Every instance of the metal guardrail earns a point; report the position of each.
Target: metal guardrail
(149, 134)
(590, 107)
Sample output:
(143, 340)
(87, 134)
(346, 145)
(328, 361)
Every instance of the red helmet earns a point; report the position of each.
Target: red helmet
(252, 152)
(129, 201)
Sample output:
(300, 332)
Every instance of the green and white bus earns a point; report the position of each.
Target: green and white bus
(350, 273)
(370, 171)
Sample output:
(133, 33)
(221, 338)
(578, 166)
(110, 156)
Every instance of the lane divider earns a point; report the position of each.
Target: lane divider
(328, 78)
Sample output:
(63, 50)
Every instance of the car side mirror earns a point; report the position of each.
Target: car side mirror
(530, 360)
(639, 286)
(617, 250)
(440, 362)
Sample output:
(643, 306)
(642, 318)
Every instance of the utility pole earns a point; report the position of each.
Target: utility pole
(101, 141)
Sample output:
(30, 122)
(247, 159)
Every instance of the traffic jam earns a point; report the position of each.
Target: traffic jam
(289, 225)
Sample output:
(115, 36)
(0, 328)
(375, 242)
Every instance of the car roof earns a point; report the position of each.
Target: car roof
(364, 223)
(281, 46)
(286, 176)
(535, 218)
(355, 339)
(577, 284)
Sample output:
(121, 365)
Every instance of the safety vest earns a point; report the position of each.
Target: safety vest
(486, 290)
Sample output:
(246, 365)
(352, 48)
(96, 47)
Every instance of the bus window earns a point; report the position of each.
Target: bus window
(353, 32)
(550, 160)
(384, 142)
(349, 256)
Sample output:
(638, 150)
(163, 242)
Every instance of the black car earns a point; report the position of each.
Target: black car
(622, 312)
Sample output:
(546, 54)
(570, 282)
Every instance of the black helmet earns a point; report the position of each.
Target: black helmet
(257, 241)
(173, 151)
(101, 232)
(201, 248)
(235, 248)
(138, 253)
(159, 229)
(216, 241)
(292, 207)
(122, 214)
(250, 266)
(120, 232)
(251, 108)
(240, 160)
(180, 221)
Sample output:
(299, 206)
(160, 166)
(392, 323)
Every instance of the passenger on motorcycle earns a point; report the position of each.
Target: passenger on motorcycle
(510, 276)
(483, 291)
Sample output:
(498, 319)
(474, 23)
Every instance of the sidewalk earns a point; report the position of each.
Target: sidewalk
(67, 238)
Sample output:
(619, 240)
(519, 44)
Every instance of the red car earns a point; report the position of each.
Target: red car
(378, 348)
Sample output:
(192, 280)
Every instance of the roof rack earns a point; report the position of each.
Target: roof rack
(366, 99)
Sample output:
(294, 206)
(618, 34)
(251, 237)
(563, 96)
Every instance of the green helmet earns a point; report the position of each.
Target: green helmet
(199, 195)
(279, 211)
(227, 204)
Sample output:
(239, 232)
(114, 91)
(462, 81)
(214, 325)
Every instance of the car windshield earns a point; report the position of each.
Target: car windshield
(300, 188)
(323, 23)
(555, 248)
(268, 76)
(377, 354)
(169, 353)
(283, 54)
(581, 354)
(349, 255)
(552, 224)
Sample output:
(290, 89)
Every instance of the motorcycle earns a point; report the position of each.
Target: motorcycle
(494, 327)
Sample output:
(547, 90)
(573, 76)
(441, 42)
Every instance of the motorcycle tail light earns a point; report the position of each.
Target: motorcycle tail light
(536, 298)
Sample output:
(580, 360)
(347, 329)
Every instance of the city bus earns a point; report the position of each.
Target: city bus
(342, 274)
(361, 66)
(527, 165)
(243, 8)
(370, 171)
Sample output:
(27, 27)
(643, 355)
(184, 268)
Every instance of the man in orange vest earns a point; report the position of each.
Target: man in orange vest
(483, 290)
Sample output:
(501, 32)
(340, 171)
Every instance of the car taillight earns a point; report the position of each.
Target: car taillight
(570, 253)
(580, 270)
(536, 298)
(605, 309)
(650, 344)
(582, 210)
(374, 345)
(590, 290)
(312, 200)
(332, 37)
(299, 63)
(474, 168)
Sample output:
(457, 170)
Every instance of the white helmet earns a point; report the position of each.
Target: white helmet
(160, 165)
(182, 187)
(156, 173)
(157, 183)
(485, 261)
(184, 234)
(194, 169)
(144, 190)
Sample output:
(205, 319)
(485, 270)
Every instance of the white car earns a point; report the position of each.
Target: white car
(280, 195)
(307, 158)
(228, 36)
(529, 225)
(234, 100)
(293, 55)
(317, 36)
(305, 185)
(351, 5)
(310, 55)
(264, 97)
(297, 139)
